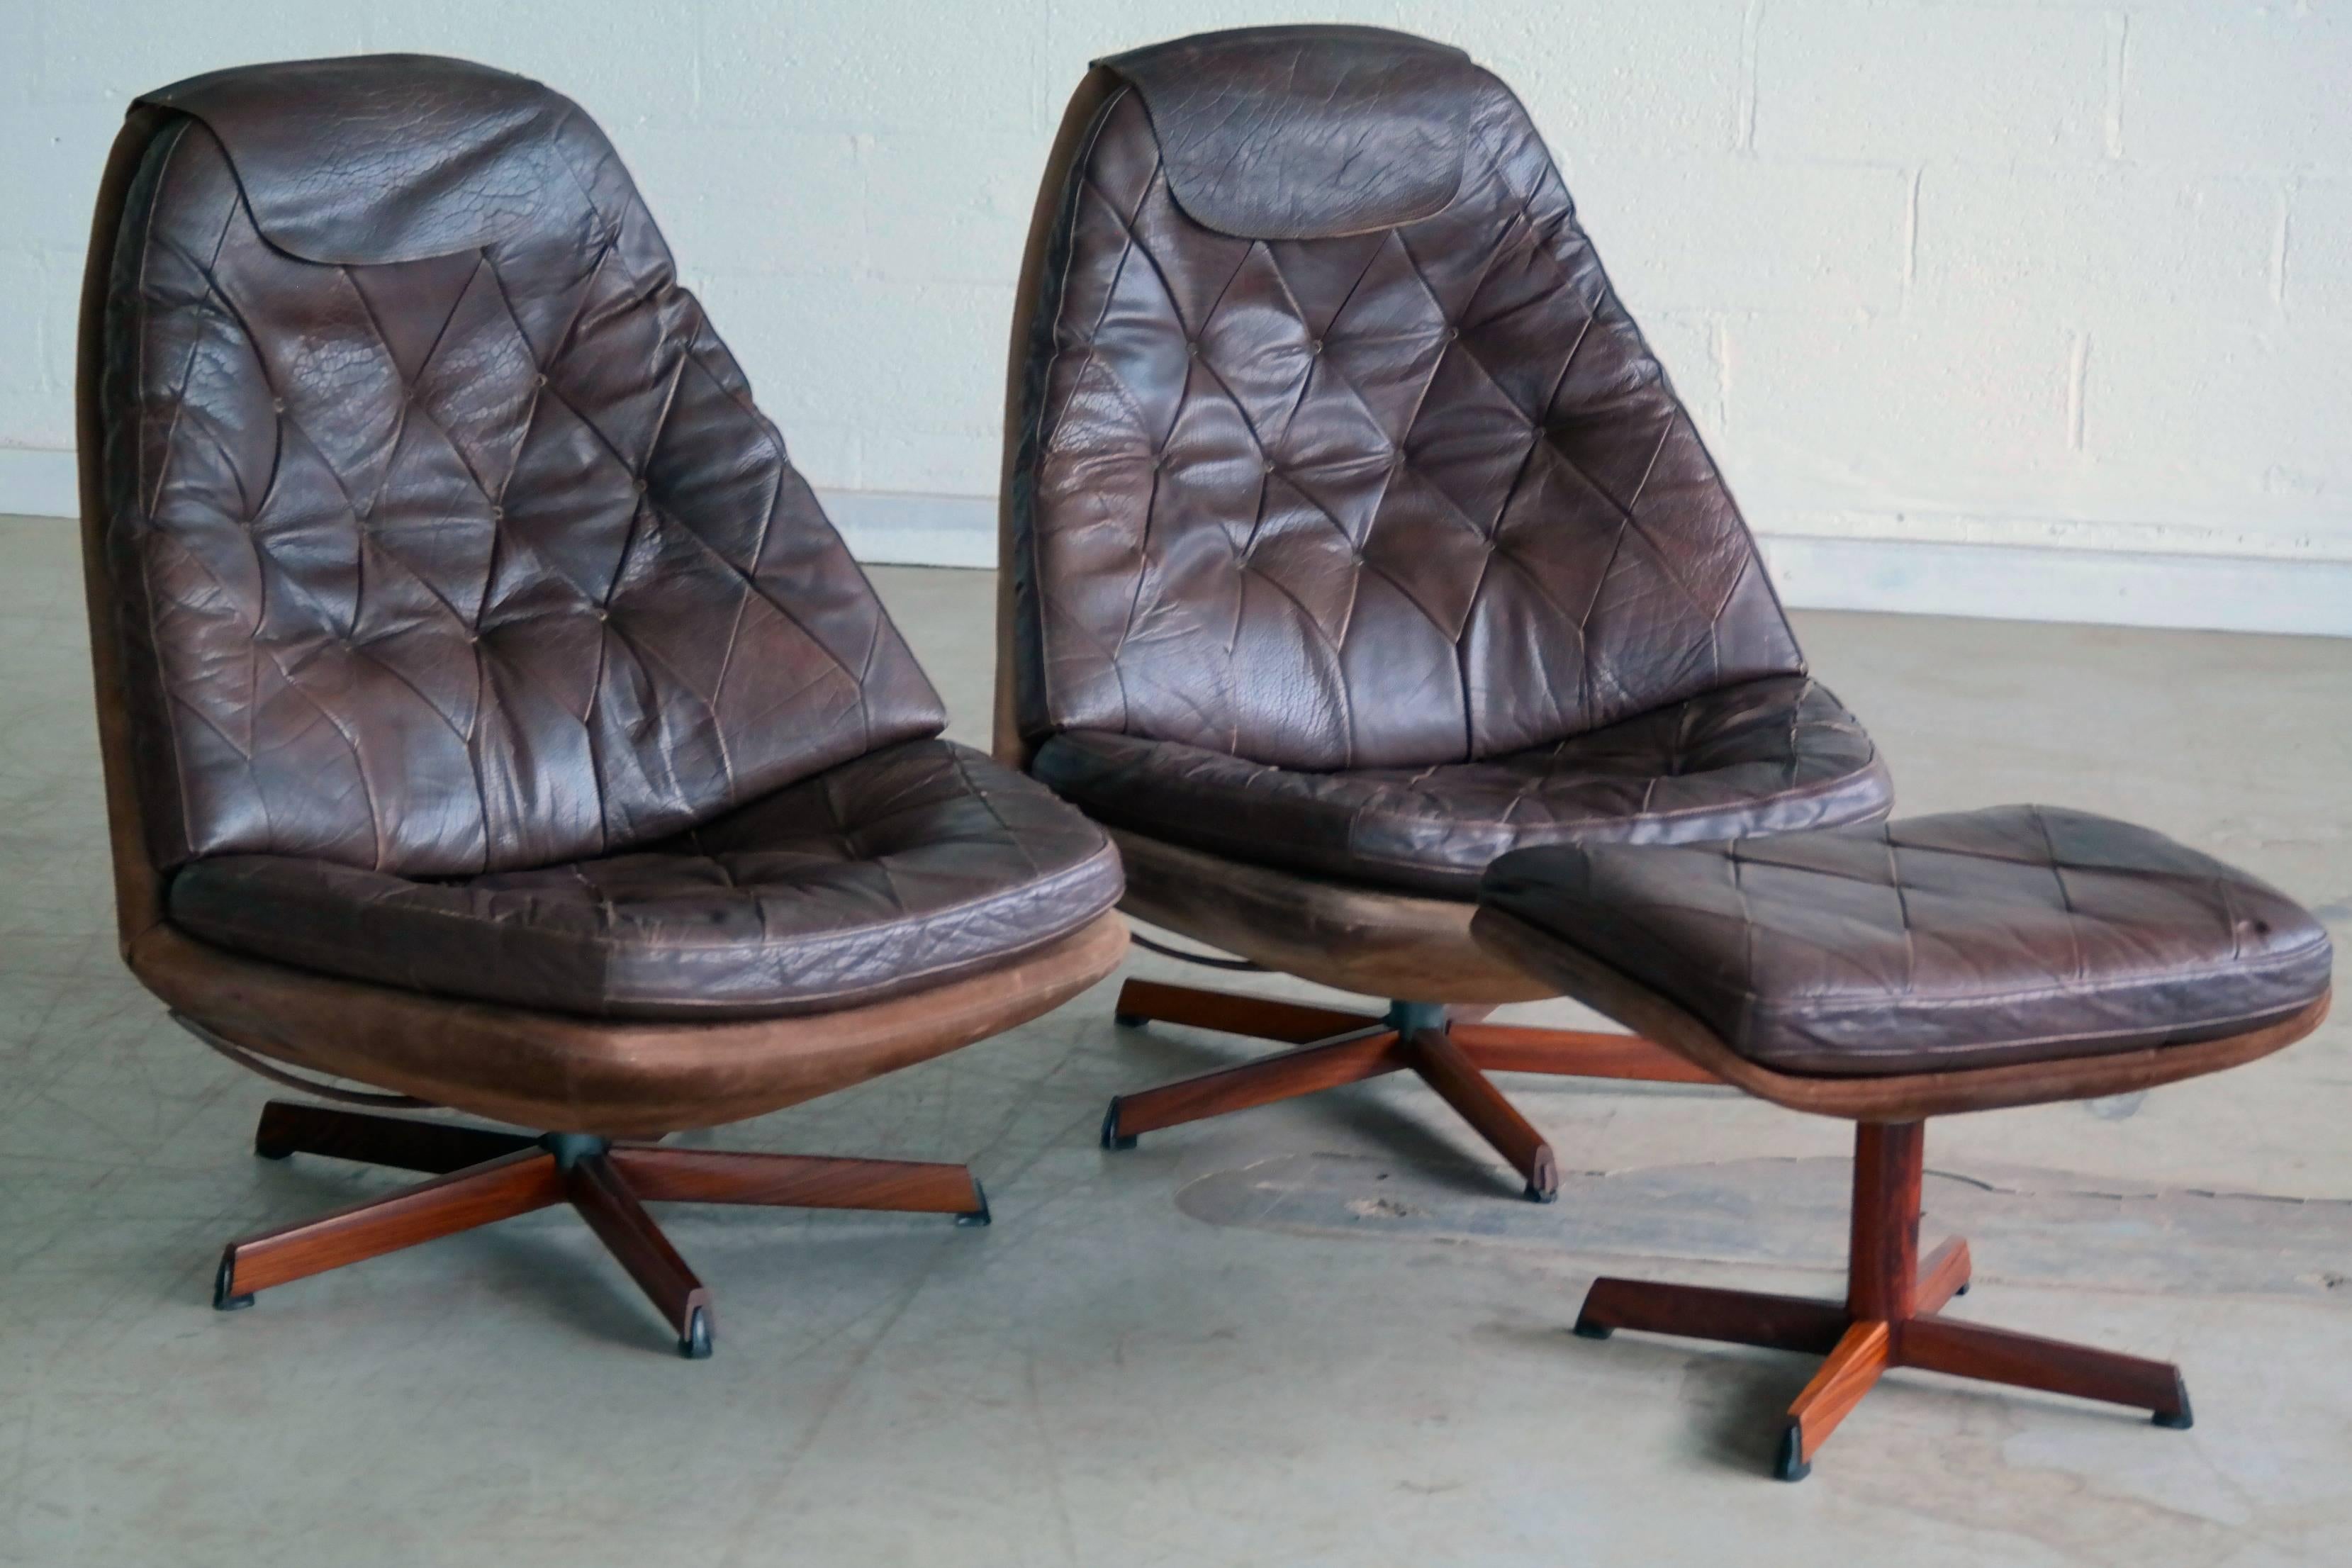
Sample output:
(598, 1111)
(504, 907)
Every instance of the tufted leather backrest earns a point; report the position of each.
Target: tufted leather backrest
(1331, 445)
(440, 533)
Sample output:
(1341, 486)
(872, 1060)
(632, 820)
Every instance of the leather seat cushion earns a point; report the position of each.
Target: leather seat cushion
(915, 864)
(1767, 756)
(2019, 933)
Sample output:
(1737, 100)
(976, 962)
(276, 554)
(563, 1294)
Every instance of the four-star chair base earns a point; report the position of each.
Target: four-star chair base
(482, 1175)
(1451, 1048)
(1889, 1318)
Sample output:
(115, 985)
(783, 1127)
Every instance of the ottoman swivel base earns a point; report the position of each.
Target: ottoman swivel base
(1888, 1318)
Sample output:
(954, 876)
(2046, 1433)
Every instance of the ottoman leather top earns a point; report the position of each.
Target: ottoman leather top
(1973, 939)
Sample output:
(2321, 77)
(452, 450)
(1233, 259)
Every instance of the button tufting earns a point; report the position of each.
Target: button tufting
(1420, 462)
(1949, 932)
(390, 533)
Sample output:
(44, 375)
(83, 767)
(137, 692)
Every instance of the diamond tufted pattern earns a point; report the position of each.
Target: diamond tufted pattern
(475, 635)
(2018, 933)
(905, 868)
(1351, 498)
(474, 557)
(1770, 756)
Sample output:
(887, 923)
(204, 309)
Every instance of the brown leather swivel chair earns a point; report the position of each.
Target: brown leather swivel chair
(1352, 537)
(489, 713)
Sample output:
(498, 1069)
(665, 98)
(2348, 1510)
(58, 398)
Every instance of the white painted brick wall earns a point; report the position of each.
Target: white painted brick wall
(2112, 244)
(2316, 258)
(1746, 235)
(29, 408)
(2068, 275)
(1855, 82)
(2234, 85)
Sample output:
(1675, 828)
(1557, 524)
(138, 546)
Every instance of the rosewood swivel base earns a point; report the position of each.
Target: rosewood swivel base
(1887, 1320)
(482, 1175)
(1452, 1049)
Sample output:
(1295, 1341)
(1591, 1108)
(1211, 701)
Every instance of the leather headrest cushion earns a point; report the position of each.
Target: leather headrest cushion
(374, 159)
(1304, 132)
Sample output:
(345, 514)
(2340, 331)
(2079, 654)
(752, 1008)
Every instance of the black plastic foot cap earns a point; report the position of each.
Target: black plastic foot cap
(2177, 1420)
(1543, 1176)
(274, 1150)
(980, 1214)
(1130, 1020)
(695, 1343)
(225, 1299)
(1790, 1465)
(1589, 1330)
(1110, 1133)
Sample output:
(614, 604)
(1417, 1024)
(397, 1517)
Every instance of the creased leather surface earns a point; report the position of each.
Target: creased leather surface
(419, 157)
(1404, 498)
(1771, 756)
(906, 869)
(2018, 933)
(463, 564)
(1297, 132)
(478, 637)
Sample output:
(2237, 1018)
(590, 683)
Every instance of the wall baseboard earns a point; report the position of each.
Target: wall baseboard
(2000, 582)
(1920, 577)
(2030, 583)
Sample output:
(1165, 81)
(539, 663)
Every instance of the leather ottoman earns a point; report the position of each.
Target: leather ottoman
(1890, 972)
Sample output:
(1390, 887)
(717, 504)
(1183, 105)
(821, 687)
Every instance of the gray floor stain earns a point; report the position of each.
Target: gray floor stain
(2022, 1224)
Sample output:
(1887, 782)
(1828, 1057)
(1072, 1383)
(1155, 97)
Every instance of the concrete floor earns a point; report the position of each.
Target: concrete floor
(1323, 1333)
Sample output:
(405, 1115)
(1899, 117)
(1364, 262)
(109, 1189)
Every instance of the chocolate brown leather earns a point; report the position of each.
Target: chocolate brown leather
(1973, 939)
(460, 623)
(449, 537)
(905, 868)
(369, 160)
(1770, 756)
(1335, 455)
(1304, 132)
